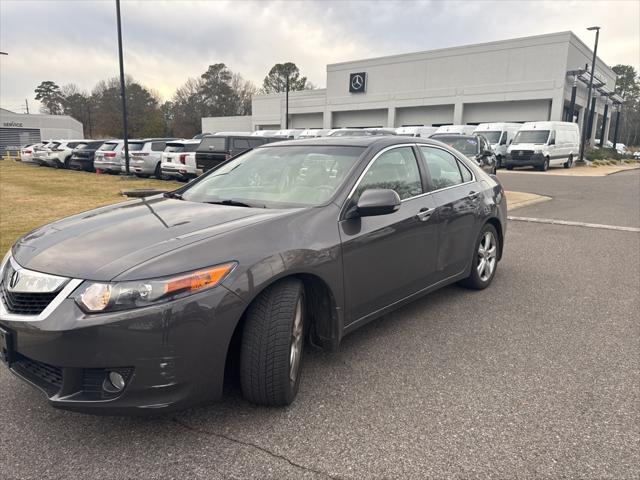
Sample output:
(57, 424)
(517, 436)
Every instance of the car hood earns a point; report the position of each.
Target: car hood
(103, 243)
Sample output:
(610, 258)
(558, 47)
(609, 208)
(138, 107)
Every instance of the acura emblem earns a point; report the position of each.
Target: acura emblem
(13, 281)
(356, 82)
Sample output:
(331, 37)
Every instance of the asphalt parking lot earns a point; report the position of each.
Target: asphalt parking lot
(536, 377)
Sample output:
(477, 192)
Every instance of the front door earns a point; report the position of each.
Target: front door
(389, 257)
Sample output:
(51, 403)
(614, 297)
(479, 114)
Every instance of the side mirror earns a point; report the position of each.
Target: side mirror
(376, 201)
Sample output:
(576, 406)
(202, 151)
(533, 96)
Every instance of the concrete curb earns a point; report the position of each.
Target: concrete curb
(522, 199)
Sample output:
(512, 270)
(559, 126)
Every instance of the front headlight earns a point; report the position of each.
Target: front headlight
(537, 152)
(94, 297)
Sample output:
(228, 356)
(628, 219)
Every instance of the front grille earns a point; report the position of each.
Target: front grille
(25, 303)
(521, 155)
(44, 375)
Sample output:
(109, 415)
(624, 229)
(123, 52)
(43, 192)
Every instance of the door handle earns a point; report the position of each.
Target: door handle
(473, 195)
(424, 214)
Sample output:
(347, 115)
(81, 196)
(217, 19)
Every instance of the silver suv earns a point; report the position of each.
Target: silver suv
(108, 157)
(145, 156)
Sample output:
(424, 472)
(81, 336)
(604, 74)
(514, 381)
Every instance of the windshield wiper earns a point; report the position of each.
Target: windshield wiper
(237, 203)
(177, 196)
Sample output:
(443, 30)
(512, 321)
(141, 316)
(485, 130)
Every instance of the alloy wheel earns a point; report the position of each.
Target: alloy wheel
(296, 342)
(487, 256)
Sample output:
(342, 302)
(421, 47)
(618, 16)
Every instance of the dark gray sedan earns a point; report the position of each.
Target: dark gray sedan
(138, 307)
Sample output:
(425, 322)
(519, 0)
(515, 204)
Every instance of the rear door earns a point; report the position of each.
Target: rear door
(388, 257)
(456, 194)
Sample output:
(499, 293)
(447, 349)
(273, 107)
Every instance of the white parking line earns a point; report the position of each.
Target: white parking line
(552, 221)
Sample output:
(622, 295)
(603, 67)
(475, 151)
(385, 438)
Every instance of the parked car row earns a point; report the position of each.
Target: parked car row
(490, 145)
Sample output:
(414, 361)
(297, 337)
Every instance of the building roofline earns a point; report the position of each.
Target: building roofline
(565, 35)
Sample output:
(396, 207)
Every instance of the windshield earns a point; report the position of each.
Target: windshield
(492, 136)
(466, 145)
(278, 177)
(531, 136)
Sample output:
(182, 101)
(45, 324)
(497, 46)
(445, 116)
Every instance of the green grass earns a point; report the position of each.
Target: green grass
(31, 196)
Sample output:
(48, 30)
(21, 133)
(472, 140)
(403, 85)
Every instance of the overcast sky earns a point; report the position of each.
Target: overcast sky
(165, 42)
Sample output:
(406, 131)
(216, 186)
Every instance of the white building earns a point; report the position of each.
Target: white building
(518, 80)
(18, 129)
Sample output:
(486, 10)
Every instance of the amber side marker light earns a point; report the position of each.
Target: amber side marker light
(200, 279)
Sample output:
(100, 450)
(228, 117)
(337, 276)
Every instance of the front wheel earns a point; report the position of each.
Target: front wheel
(569, 162)
(272, 345)
(545, 165)
(485, 259)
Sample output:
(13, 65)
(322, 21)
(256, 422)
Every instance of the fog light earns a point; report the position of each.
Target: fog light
(116, 380)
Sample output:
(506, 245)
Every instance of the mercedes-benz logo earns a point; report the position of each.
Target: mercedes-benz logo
(13, 281)
(357, 81)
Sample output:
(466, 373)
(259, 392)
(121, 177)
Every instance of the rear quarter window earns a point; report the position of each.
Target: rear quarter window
(158, 146)
(240, 143)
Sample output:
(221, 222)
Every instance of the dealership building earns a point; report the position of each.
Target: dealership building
(18, 129)
(518, 80)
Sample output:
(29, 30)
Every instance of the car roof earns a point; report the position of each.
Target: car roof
(456, 135)
(373, 140)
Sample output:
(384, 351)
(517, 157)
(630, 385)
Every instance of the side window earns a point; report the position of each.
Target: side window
(255, 142)
(552, 137)
(158, 146)
(240, 144)
(466, 174)
(503, 139)
(396, 169)
(442, 166)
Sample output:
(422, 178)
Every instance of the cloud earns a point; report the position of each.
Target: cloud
(165, 42)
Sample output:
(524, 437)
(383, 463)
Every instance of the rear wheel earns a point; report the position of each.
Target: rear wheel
(272, 344)
(485, 259)
(569, 162)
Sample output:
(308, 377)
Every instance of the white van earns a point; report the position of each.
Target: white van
(499, 136)
(541, 144)
(461, 129)
(423, 132)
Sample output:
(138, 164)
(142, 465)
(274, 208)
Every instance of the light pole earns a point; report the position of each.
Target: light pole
(593, 69)
(286, 102)
(122, 92)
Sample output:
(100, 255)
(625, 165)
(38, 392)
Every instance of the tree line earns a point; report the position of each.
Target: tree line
(628, 87)
(218, 92)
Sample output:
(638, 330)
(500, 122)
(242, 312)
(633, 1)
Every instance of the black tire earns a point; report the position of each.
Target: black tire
(158, 172)
(569, 162)
(67, 161)
(475, 281)
(499, 161)
(267, 342)
(545, 165)
(509, 167)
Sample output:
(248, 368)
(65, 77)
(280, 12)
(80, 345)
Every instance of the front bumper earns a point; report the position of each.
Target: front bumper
(535, 160)
(172, 355)
(53, 161)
